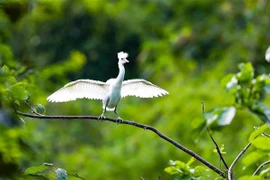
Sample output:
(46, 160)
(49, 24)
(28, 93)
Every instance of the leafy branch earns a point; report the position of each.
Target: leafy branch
(131, 123)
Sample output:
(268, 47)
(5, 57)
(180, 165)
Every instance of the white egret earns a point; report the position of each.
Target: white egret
(110, 92)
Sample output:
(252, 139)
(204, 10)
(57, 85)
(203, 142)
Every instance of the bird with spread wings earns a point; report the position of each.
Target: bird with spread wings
(110, 92)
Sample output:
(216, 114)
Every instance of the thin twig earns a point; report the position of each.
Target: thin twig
(230, 170)
(218, 149)
(33, 110)
(266, 135)
(202, 108)
(77, 176)
(258, 169)
(132, 123)
(213, 140)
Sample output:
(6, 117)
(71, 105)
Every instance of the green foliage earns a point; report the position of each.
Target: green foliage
(47, 172)
(39, 109)
(219, 116)
(257, 132)
(184, 171)
(250, 178)
(261, 143)
(262, 111)
(12, 91)
(248, 91)
(253, 158)
(222, 148)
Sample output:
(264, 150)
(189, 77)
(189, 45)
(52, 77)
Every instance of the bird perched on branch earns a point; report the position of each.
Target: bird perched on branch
(110, 92)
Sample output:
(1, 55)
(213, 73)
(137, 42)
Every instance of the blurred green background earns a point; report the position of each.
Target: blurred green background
(185, 47)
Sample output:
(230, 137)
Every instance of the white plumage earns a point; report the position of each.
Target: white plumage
(267, 54)
(110, 92)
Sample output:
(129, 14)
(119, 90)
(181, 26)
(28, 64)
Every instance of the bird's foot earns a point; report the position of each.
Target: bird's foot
(119, 120)
(101, 117)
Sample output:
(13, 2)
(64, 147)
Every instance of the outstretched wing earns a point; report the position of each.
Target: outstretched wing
(141, 88)
(82, 88)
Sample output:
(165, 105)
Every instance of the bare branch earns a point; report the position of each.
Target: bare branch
(230, 172)
(218, 150)
(202, 108)
(258, 169)
(265, 134)
(131, 123)
(213, 140)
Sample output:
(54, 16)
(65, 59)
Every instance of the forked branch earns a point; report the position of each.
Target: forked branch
(132, 123)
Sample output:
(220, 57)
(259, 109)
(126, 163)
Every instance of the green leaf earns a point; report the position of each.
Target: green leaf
(46, 170)
(261, 84)
(34, 177)
(36, 169)
(250, 178)
(265, 172)
(10, 80)
(262, 111)
(40, 109)
(61, 174)
(220, 116)
(229, 82)
(263, 80)
(257, 132)
(246, 72)
(4, 71)
(171, 170)
(222, 148)
(178, 167)
(19, 92)
(253, 157)
(190, 161)
(262, 143)
(200, 171)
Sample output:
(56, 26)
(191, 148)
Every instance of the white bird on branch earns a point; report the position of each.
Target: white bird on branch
(110, 92)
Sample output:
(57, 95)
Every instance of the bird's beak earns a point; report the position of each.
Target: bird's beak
(126, 61)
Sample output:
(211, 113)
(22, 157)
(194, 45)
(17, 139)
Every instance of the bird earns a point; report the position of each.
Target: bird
(110, 92)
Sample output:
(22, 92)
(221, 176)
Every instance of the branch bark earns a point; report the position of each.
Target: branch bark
(132, 123)
(218, 149)
(263, 164)
(230, 170)
(213, 140)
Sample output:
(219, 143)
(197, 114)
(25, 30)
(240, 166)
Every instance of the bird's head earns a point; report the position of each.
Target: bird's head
(122, 56)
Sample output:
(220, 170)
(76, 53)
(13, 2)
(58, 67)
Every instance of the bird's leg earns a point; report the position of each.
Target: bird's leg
(102, 116)
(119, 120)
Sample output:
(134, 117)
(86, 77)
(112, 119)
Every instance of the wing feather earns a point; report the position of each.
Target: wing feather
(82, 88)
(141, 88)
